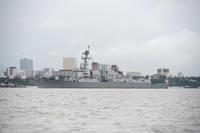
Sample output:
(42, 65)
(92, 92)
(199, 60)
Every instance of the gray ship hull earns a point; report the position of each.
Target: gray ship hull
(65, 84)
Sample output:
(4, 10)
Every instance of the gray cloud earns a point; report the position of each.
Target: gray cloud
(136, 35)
(179, 51)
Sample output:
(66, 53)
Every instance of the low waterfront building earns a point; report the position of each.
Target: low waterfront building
(11, 72)
(163, 71)
(47, 72)
(133, 74)
(21, 74)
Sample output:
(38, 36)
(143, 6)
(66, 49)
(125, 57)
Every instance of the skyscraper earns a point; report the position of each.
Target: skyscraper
(27, 66)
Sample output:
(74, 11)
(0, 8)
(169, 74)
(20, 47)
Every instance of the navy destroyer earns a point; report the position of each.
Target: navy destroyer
(85, 78)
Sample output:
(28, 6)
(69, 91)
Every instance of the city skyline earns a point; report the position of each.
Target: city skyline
(137, 36)
(70, 64)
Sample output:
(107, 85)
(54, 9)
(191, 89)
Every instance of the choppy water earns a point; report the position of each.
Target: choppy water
(33, 110)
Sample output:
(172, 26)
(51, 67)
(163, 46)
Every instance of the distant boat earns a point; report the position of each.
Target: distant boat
(191, 86)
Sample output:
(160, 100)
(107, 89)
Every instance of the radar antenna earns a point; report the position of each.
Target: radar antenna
(85, 59)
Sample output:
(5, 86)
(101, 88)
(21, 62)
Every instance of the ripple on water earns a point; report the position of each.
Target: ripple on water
(97, 111)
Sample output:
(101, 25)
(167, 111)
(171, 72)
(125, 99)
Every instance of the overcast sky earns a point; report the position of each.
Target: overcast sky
(137, 35)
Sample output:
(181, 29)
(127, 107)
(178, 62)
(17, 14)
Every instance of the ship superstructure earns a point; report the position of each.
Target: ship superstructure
(85, 65)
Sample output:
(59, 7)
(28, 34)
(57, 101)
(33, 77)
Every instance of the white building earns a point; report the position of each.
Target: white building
(12, 72)
(47, 72)
(21, 74)
(69, 63)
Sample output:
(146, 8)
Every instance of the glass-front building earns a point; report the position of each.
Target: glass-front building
(26, 64)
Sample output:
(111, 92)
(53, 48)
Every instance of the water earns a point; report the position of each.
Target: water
(33, 110)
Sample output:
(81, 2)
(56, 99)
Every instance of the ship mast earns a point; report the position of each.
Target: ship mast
(85, 59)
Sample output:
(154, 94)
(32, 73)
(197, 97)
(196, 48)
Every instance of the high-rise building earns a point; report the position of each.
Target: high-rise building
(69, 63)
(27, 66)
